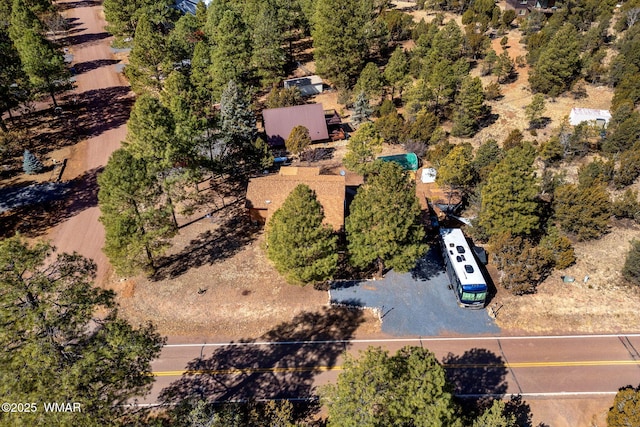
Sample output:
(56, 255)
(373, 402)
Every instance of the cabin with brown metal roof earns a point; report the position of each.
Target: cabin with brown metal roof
(267, 193)
(278, 122)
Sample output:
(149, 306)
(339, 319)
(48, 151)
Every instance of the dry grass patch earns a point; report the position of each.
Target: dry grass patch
(601, 304)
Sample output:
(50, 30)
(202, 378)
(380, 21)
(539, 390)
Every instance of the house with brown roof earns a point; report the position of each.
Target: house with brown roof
(278, 122)
(524, 7)
(267, 193)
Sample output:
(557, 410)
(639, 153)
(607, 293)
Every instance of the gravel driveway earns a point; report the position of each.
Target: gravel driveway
(415, 303)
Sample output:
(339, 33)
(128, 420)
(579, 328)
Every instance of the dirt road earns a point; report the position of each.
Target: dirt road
(108, 97)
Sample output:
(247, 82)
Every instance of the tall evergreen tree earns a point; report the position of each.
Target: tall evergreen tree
(496, 416)
(383, 226)
(268, 55)
(150, 134)
(361, 109)
(408, 388)
(395, 73)
(145, 69)
(137, 223)
(558, 64)
(122, 16)
(231, 52)
(487, 157)
(237, 125)
(370, 81)
(201, 79)
(470, 107)
(509, 198)
(363, 146)
(14, 86)
(63, 339)
(339, 40)
(301, 247)
(43, 64)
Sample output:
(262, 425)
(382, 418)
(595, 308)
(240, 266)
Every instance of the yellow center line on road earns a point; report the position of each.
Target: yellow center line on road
(240, 371)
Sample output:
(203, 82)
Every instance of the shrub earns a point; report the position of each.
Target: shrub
(31, 165)
(631, 269)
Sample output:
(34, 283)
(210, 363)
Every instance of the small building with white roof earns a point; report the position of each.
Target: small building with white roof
(581, 115)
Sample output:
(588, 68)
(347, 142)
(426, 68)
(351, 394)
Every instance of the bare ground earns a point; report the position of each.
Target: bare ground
(227, 291)
(598, 301)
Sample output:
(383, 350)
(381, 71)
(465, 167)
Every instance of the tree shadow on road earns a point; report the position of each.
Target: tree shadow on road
(38, 218)
(83, 67)
(226, 240)
(285, 369)
(103, 110)
(477, 372)
(61, 7)
(82, 39)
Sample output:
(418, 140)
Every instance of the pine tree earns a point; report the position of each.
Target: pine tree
(14, 86)
(237, 125)
(339, 39)
(122, 16)
(395, 73)
(408, 388)
(361, 109)
(534, 110)
(363, 146)
(44, 65)
(150, 131)
(488, 155)
(470, 107)
(558, 64)
(145, 69)
(496, 416)
(456, 169)
(584, 211)
(31, 165)
(384, 227)
(231, 52)
(137, 223)
(268, 56)
(504, 67)
(391, 127)
(201, 79)
(67, 341)
(301, 247)
(298, 140)
(626, 408)
(370, 81)
(509, 198)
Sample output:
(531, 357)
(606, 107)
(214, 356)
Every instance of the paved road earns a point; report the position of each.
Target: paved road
(570, 366)
(108, 97)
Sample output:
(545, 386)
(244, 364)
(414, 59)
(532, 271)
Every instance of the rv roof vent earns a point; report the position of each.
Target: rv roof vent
(459, 258)
(451, 252)
(468, 268)
(460, 249)
(451, 245)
